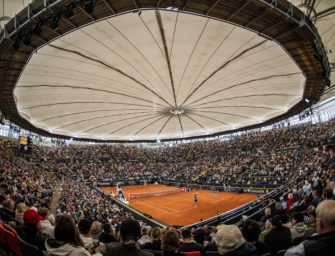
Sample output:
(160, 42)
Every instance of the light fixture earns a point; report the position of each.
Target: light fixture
(177, 111)
(307, 100)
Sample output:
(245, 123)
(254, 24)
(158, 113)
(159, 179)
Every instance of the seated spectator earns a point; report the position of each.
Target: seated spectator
(108, 236)
(278, 209)
(67, 240)
(145, 236)
(188, 245)
(267, 215)
(96, 229)
(279, 237)
(311, 224)
(267, 228)
(130, 232)
(251, 231)
(316, 199)
(170, 244)
(32, 230)
(289, 202)
(323, 243)
(230, 242)
(7, 213)
(283, 203)
(20, 209)
(298, 228)
(155, 242)
(84, 226)
(47, 228)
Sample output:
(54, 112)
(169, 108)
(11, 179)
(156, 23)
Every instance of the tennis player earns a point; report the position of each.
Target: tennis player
(195, 198)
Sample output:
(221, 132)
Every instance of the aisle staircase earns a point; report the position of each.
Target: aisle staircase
(201, 174)
(55, 197)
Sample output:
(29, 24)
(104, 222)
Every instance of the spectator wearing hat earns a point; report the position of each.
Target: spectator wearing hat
(279, 237)
(230, 242)
(323, 243)
(130, 232)
(32, 231)
(84, 226)
(251, 231)
(188, 245)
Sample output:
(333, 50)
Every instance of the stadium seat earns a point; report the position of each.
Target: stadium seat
(29, 249)
(192, 253)
(2, 235)
(11, 237)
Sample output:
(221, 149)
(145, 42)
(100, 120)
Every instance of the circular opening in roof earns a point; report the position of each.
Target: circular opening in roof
(177, 111)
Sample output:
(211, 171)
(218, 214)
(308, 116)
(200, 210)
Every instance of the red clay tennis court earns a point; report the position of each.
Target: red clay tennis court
(178, 209)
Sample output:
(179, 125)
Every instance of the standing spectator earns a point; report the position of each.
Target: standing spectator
(323, 243)
(279, 237)
(230, 242)
(188, 245)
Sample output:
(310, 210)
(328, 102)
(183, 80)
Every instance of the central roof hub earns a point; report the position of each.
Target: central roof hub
(177, 111)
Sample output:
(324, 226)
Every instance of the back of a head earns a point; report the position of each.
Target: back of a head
(155, 233)
(325, 212)
(186, 233)
(170, 241)
(251, 230)
(84, 226)
(21, 208)
(130, 232)
(107, 227)
(228, 238)
(66, 231)
(43, 212)
(299, 217)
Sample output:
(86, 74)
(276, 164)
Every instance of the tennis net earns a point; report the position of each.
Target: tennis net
(156, 193)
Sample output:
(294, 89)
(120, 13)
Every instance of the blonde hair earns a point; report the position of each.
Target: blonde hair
(267, 211)
(52, 219)
(95, 228)
(21, 208)
(290, 195)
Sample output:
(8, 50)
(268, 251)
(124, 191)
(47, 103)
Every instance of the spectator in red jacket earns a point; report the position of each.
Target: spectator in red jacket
(289, 202)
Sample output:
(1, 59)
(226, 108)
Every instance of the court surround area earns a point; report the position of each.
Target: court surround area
(179, 209)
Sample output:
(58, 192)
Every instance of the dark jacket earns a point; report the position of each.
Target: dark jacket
(122, 250)
(278, 239)
(243, 250)
(156, 245)
(192, 247)
(261, 248)
(320, 245)
(34, 238)
(106, 238)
